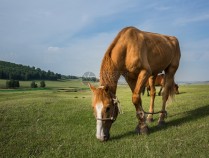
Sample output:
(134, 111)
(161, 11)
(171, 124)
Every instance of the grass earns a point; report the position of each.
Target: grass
(54, 123)
(63, 85)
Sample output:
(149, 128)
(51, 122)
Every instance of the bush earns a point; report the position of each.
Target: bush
(16, 84)
(42, 84)
(8, 84)
(33, 84)
(12, 84)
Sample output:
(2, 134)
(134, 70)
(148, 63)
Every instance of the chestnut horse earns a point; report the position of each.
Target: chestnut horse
(159, 81)
(138, 56)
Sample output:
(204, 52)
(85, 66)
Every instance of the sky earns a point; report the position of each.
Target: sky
(71, 36)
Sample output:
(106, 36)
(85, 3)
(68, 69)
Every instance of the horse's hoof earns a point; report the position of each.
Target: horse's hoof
(142, 130)
(137, 130)
(161, 123)
(150, 120)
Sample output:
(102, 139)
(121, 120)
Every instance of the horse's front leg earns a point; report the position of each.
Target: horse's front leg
(148, 89)
(136, 99)
(152, 97)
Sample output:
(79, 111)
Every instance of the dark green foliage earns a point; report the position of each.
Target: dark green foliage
(12, 84)
(20, 72)
(69, 77)
(33, 84)
(72, 77)
(8, 84)
(42, 84)
(92, 79)
(16, 83)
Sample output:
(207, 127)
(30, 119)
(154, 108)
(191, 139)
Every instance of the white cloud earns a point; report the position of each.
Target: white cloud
(195, 50)
(48, 28)
(163, 8)
(192, 19)
(71, 37)
(53, 49)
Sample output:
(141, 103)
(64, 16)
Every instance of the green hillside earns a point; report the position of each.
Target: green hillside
(14, 71)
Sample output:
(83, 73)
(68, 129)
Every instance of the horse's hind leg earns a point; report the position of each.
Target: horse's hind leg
(136, 99)
(152, 97)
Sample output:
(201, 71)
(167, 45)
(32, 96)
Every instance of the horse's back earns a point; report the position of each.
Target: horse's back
(161, 50)
(135, 49)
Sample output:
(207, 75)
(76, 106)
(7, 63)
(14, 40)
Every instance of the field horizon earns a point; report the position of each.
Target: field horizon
(79, 82)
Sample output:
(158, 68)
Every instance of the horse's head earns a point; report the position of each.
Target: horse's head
(176, 88)
(105, 107)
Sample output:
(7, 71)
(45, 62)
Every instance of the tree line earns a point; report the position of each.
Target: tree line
(12, 71)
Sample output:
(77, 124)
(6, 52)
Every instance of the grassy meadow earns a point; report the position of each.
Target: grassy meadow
(58, 122)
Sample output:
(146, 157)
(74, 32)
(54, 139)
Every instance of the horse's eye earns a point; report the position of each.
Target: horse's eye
(108, 109)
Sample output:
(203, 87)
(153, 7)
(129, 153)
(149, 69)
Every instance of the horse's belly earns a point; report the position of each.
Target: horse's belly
(160, 61)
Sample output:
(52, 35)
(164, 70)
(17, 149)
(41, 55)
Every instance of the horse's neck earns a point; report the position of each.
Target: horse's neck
(109, 79)
(109, 75)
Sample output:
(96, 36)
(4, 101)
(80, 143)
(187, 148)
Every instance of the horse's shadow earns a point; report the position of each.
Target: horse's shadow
(126, 134)
(190, 116)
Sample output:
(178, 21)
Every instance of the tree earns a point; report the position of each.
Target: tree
(42, 84)
(16, 84)
(20, 72)
(12, 84)
(26, 77)
(33, 84)
(8, 84)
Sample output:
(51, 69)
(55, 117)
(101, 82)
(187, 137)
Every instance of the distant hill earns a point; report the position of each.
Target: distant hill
(20, 72)
(192, 82)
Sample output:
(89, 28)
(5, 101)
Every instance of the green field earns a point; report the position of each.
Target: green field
(57, 122)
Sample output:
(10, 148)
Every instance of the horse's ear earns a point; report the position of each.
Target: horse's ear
(91, 87)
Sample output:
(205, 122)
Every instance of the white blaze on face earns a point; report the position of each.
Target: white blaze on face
(99, 128)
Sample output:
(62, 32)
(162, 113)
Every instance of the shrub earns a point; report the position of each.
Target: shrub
(42, 84)
(16, 84)
(12, 84)
(33, 84)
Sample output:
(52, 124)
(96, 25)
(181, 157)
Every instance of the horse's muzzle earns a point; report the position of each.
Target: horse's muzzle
(107, 137)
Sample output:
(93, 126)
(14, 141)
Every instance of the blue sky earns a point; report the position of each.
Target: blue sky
(71, 37)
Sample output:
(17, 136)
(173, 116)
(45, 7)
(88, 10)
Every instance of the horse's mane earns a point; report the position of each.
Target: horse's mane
(108, 70)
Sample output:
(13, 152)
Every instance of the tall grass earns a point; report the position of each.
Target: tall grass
(55, 123)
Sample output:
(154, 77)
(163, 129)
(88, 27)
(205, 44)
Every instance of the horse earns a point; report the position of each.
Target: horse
(138, 56)
(159, 81)
(176, 88)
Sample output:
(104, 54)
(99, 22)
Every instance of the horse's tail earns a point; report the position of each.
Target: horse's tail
(171, 92)
(175, 64)
(170, 95)
(178, 56)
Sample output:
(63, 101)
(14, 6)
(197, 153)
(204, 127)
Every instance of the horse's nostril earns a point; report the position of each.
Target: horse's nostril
(106, 137)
